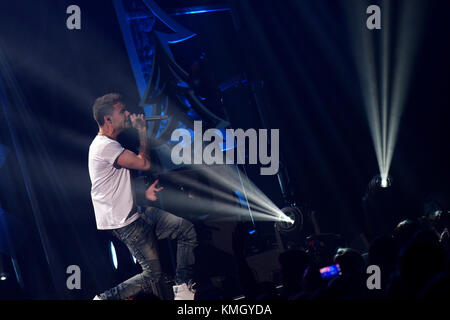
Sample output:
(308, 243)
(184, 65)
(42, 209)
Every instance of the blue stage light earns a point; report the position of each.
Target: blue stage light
(113, 255)
(197, 10)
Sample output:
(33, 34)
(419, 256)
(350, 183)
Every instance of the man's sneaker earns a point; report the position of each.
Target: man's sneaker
(97, 298)
(184, 291)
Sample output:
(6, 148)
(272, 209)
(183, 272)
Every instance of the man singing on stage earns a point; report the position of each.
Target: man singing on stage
(112, 198)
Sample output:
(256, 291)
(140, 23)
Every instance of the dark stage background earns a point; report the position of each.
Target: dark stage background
(312, 92)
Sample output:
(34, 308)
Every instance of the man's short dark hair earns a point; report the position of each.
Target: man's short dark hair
(104, 106)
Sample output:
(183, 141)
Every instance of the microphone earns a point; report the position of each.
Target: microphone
(155, 118)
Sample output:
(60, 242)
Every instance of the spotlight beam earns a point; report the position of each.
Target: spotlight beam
(407, 40)
(384, 119)
(385, 84)
(367, 73)
(226, 197)
(226, 178)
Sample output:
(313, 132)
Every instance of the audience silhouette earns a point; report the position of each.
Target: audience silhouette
(413, 261)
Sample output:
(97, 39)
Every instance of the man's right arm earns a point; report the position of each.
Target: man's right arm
(129, 159)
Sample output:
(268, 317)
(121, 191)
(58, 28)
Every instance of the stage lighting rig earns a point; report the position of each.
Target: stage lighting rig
(380, 181)
(291, 221)
(377, 183)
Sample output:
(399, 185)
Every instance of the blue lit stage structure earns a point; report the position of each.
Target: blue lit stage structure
(166, 88)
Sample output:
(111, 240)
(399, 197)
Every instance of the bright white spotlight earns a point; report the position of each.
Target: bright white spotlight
(384, 181)
(290, 219)
(3, 276)
(113, 255)
(385, 96)
(380, 181)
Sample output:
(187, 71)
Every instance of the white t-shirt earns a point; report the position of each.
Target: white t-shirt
(111, 192)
